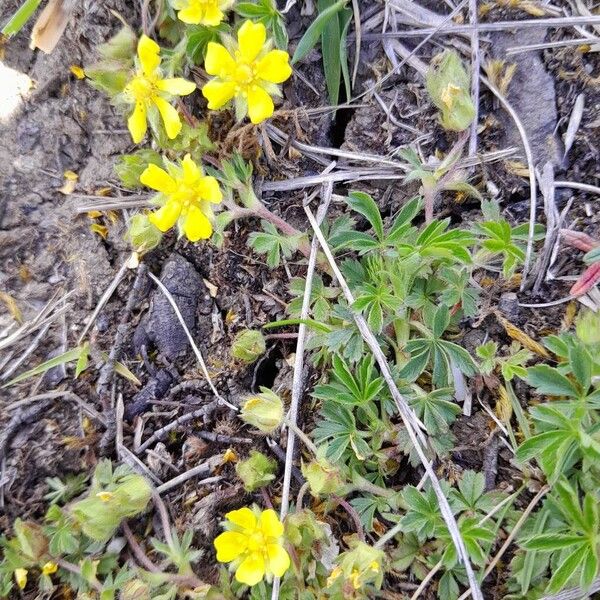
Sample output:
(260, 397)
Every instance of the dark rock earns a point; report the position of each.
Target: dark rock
(531, 93)
(160, 327)
(155, 389)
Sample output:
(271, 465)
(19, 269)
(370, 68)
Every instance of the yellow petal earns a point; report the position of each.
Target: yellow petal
(158, 179)
(270, 524)
(137, 123)
(218, 93)
(196, 225)
(191, 172)
(279, 560)
(251, 570)
(169, 116)
(260, 105)
(218, 61)
(192, 14)
(164, 218)
(251, 38)
(242, 517)
(229, 545)
(21, 578)
(274, 66)
(177, 86)
(208, 189)
(149, 54)
(213, 15)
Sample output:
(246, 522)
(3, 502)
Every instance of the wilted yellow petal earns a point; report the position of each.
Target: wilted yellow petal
(137, 123)
(229, 456)
(243, 517)
(177, 86)
(218, 93)
(208, 189)
(77, 71)
(251, 39)
(279, 560)
(101, 230)
(12, 306)
(270, 524)
(274, 66)
(251, 570)
(21, 578)
(260, 104)
(196, 225)
(218, 60)
(169, 116)
(520, 336)
(164, 218)
(49, 568)
(230, 545)
(158, 179)
(149, 55)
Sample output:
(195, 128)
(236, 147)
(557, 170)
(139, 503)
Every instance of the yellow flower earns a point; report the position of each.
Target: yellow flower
(201, 12)
(150, 91)
(186, 195)
(248, 72)
(105, 496)
(21, 578)
(49, 568)
(253, 544)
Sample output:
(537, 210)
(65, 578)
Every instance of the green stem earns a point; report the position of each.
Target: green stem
(305, 439)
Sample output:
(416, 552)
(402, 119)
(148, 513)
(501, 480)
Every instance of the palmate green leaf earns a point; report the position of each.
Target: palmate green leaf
(568, 568)
(198, 38)
(435, 409)
(549, 381)
(273, 243)
(549, 542)
(313, 33)
(330, 49)
(364, 204)
(316, 325)
(582, 365)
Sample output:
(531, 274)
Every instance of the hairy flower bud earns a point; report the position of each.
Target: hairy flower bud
(264, 410)
(256, 471)
(248, 345)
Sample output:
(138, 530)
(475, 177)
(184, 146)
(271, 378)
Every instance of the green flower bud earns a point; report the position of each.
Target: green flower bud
(143, 235)
(264, 410)
(256, 471)
(449, 86)
(588, 327)
(248, 345)
(322, 477)
(361, 565)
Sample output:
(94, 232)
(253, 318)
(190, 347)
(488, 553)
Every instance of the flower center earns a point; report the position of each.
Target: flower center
(256, 541)
(186, 196)
(141, 88)
(244, 74)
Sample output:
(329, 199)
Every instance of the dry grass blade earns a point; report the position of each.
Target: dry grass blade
(475, 67)
(530, 165)
(558, 44)
(298, 379)
(51, 311)
(195, 348)
(411, 422)
(574, 122)
(106, 203)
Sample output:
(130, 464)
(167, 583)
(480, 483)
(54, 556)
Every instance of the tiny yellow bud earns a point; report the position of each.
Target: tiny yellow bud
(21, 578)
(337, 571)
(105, 496)
(229, 456)
(49, 568)
(77, 71)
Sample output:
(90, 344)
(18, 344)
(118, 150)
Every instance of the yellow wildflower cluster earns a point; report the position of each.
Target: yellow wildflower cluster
(253, 543)
(247, 72)
(186, 196)
(148, 91)
(201, 12)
